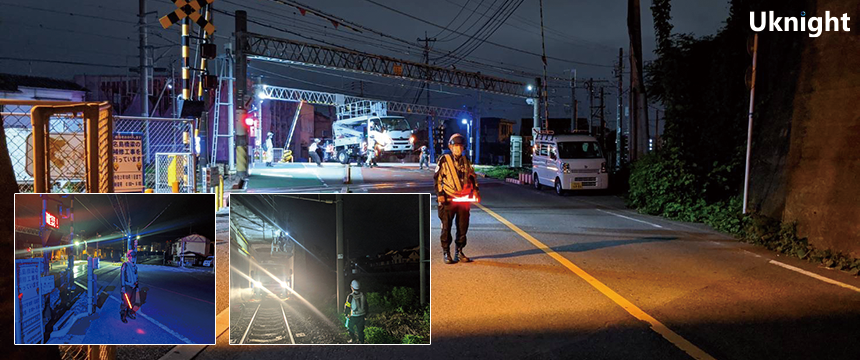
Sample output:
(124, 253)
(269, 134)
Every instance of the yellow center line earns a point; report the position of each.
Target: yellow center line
(625, 304)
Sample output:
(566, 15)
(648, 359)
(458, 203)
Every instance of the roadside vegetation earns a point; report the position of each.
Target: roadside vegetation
(395, 317)
(696, 174)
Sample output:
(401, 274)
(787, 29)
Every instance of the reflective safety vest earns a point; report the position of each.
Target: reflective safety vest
(451, 176)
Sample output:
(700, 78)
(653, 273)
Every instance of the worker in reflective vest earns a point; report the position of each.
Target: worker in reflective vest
(128, 272)
(455, 180)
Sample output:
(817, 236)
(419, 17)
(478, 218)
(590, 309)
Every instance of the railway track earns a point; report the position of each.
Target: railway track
(269, 324)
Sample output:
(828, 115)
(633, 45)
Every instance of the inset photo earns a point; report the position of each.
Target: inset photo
(97, 269)
(329, 269)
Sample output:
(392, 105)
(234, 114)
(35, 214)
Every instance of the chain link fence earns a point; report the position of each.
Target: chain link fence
(173, 168)
(65, 144)
(160, 135)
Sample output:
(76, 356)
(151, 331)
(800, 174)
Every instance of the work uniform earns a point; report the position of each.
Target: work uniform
(128, 274)
(356, 307)
(452, 175)
(268, 149)
(424, 160)
(312, 151)
(371, 152)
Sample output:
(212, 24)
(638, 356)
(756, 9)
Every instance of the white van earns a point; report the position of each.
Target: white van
(568, 162)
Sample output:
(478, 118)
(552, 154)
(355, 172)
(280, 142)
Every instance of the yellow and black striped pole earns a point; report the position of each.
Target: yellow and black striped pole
(186, 83)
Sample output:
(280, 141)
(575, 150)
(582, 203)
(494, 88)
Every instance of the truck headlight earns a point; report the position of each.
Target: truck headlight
(412, 139)
(566, 168)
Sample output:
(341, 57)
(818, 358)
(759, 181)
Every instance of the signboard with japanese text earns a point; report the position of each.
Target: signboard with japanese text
(128, 162)
(28, 305)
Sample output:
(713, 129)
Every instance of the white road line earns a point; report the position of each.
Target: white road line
(162, 326)
(317, 174)
(814, 275)
(288, 325)
(629, 218)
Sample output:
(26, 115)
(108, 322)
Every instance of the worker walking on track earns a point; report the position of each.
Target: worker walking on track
(356, 310)
(455, 179)
(128, 274)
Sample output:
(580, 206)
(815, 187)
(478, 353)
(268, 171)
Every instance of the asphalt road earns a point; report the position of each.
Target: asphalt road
(582, 277)
(179, 307)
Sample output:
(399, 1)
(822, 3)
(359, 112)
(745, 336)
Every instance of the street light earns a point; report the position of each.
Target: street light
(529, 87)
(469, 132)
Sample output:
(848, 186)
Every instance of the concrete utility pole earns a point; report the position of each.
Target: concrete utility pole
(750, 125)
(477, 132)
(341, 283)
(590, 88)
(430, 118)
(423, 268)
(574, 107)
(241, 63)
(143, 86)
(602, 119)
(638, 99)
(619, 75)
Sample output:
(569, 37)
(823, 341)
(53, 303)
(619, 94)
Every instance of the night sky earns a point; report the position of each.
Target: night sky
(184, 214)
(371, 223)
(584, 35)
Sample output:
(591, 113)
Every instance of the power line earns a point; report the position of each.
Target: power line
(69, 13)
(63, 62)
(488, 42)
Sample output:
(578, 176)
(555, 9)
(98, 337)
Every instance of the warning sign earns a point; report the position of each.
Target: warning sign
(128, 162)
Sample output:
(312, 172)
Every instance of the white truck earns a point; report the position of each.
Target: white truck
(365, 120)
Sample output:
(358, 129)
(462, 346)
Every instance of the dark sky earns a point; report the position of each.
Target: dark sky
(578, 31)
(371, 223)
(184, 214)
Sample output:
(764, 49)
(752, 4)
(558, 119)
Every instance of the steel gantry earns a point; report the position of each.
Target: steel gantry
(330, 99)
(267, 48)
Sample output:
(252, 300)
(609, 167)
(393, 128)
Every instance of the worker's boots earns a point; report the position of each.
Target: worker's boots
(122, 316)
(446, 255)
(461, 257)
(131, 314)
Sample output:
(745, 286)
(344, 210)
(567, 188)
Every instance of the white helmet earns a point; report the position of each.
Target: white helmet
(354, 284)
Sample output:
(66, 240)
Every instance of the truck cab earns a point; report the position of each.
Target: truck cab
(393, 133)
(568, 162)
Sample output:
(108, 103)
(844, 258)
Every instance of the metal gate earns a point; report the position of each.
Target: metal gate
(59, 146)
(173, 169)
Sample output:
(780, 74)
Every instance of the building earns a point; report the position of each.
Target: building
(495, 141)
(24, 87)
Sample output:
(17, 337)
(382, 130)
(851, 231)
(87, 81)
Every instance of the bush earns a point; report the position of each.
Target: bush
(403, 298)
(412, 339)
(500, 172)
(377, 335)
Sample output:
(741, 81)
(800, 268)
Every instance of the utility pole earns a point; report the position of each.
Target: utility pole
(241, 136)
(477, 131)
(422, 208)
(340, 242)
(619, 75)
(543, 89)
(143, 88)
(602, 120)
(590, 88)
(750, 124)
(638, 99)
(426, 86)
(574, 107)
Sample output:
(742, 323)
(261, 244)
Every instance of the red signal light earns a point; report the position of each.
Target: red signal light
(249, 120)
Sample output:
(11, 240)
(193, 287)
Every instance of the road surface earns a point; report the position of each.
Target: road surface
(582, 277)
(179, 307)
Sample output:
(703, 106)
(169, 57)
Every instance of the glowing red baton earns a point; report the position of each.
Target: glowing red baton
(127, 300)
(465, 199)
